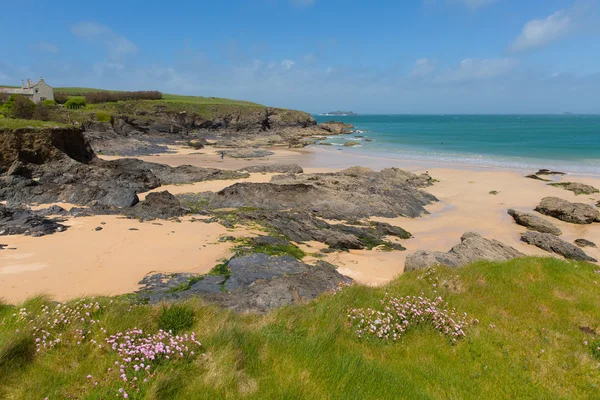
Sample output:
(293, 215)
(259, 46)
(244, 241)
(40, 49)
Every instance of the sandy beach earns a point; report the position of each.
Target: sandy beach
(111, 261)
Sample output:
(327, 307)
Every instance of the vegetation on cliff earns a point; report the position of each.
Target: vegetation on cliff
(532, 333)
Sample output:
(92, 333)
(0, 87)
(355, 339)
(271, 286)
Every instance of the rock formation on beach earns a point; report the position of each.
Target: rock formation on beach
(534, 223)
(576, 213)
(553, 244)
(254, 283)
(576, 187)
(473, 247)
(21, 221)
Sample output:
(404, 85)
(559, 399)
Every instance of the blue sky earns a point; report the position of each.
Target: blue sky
(382, 56)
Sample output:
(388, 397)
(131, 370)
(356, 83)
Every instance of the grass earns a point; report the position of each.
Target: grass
(13, 124)
(176, 318)
(247, 246)
(537, 318)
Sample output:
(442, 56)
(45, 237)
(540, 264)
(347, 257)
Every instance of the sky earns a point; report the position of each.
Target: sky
(380, 56)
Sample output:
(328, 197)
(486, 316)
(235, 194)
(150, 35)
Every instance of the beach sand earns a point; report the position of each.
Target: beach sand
(83, 261)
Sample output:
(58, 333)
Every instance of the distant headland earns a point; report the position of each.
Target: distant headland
(340, 113)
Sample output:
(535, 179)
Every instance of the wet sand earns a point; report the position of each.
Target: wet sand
(83, 261)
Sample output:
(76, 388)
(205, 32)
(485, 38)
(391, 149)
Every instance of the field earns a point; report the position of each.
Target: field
(534, 339)
(11, 124)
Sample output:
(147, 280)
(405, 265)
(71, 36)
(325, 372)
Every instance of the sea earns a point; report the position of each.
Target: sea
(518, 142)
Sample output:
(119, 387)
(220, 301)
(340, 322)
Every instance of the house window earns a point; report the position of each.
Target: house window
(36, 90)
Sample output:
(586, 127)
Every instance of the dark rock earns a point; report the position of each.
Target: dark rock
(336, 127)
(161, 205)
(248, 153)
(575, 187)
(98, 228)
(534, 222)
(353, 193)
(269, 241)
(227, 239)
(551, 243)
(585, 243)
(532, 176)
(133, 229)
(576, 213)
(2, 246)
(549, 172)
(274, 168)
(472, 248)
(52, 210)
(21, 221)
(258, 283)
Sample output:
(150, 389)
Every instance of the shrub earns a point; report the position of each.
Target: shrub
(22, 107)
(106, 97)
(4, 97)
(41, 112)
(49, 102)
(75, 103)
(61, 97)
(176, 318)
(17, 353)
(102, 116)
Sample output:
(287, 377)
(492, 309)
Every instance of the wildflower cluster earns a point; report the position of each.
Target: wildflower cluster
(48, 324)
(341, 286)
(401, 314)
(138, 352)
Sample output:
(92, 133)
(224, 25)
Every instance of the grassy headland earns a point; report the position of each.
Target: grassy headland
(534, 339)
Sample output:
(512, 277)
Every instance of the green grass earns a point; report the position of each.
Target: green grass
(176, 318)
(535, 316)
(12, 124)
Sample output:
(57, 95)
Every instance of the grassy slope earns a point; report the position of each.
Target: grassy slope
(10, 124)
(528, 344)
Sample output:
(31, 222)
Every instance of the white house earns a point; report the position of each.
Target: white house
(37, 92)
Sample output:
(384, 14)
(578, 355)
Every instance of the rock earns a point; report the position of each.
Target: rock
(257, 283)
(551, 243)
(274, 168)
(472, 248)
(532, 176)
(349, 144)
(268, 241)
(585, 243)
(336, 127)
(161, 205)
(577, 188)
(52, 210)
(22, 221)
(303, 227)
(576, 213)
(197, 143)
(133, 229)
(3, 246)
(549, 172)
(248, 153)
(534, 223)
(98, 228)
(227, 239)
(349, 194)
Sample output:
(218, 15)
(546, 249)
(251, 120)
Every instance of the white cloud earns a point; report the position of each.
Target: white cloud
(541, 32)
(303, 3)
(117, 45)
(47, 47)
(287, 64)
(423, 67)
(471, 69)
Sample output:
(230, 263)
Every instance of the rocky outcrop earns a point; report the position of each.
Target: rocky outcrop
(575, 213)
(472, 248)
(545, 171)
(255, 283)
(248, 153)
(537, 178)
(336, 127)
(21, 221)
(346, 195)
(42, 145)
(551, 243)
(161, 205)
(585, 243)
(575, 187)
(304, 227)
(57, 165)
(534, 223)
(274, 168)
(351, 144)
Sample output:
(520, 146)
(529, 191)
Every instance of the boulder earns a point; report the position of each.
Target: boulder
(576, 213)
(577, 188)
(248, 153)
(585, 243)
(161, 205)
(537, 178)
(553, 244)
(545, 171)
(274, 168)
(22, 221)
(473, 247)
(351, 144)
(336, 127)
(534, 223)
(346, 195)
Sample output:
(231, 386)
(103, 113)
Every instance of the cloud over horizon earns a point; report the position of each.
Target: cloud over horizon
(117, 46)
(539, 33)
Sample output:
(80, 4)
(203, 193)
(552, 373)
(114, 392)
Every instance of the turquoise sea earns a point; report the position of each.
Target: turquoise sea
(568, 142)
